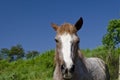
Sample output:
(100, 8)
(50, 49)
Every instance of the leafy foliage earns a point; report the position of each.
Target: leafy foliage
(32, 54)
(41, 67)
(17, 51)
(4, 53)
(38, 68)
(112, 38)
(111, 42)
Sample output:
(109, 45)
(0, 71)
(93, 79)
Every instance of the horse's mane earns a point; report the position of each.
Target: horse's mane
(81, 56)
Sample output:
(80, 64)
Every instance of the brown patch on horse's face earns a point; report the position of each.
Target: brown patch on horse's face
(68, 28)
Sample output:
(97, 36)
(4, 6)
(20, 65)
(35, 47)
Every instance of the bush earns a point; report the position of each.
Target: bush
(38, 68)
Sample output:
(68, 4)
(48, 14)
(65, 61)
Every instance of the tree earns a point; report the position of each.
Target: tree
(16, 52)
(112, 38)
(32, 54)
(111, 41)
(4, 53)
(1, 57)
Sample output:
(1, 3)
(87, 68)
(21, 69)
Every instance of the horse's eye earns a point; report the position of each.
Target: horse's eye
(56, 40)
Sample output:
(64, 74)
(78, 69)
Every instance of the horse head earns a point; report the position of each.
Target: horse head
(67, 45)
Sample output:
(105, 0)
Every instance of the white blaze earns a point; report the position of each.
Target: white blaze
(66, 49)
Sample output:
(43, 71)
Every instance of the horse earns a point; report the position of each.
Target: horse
(70, 64)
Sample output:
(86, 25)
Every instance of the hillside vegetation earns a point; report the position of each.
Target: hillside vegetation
(16, 64)
(41, 67)
(38, 68)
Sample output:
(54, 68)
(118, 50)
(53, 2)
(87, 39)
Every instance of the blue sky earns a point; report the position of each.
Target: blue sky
(27, 22)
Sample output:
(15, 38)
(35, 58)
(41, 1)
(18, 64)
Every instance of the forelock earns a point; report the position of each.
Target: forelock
(67, 28)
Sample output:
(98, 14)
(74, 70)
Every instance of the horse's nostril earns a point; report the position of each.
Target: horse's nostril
(66, 70)
(72, 68)
(62, 67)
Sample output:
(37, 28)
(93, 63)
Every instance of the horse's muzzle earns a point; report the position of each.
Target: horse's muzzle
(67, 73)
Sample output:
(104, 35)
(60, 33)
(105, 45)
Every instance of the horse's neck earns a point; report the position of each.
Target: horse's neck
(80, 66)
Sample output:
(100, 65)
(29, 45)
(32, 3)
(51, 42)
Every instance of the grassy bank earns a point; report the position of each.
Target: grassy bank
(41, 67)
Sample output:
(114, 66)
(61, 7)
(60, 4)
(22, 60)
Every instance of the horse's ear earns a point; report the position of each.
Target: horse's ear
(79, 23)
(54, 26)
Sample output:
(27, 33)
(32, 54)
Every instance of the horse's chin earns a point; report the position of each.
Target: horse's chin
(67, 77)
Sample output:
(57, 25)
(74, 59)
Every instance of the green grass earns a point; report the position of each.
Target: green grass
(38, 68)
(42, 66)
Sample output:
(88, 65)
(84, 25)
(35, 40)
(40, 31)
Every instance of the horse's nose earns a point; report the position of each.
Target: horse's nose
(63, 67)
(65, 70)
